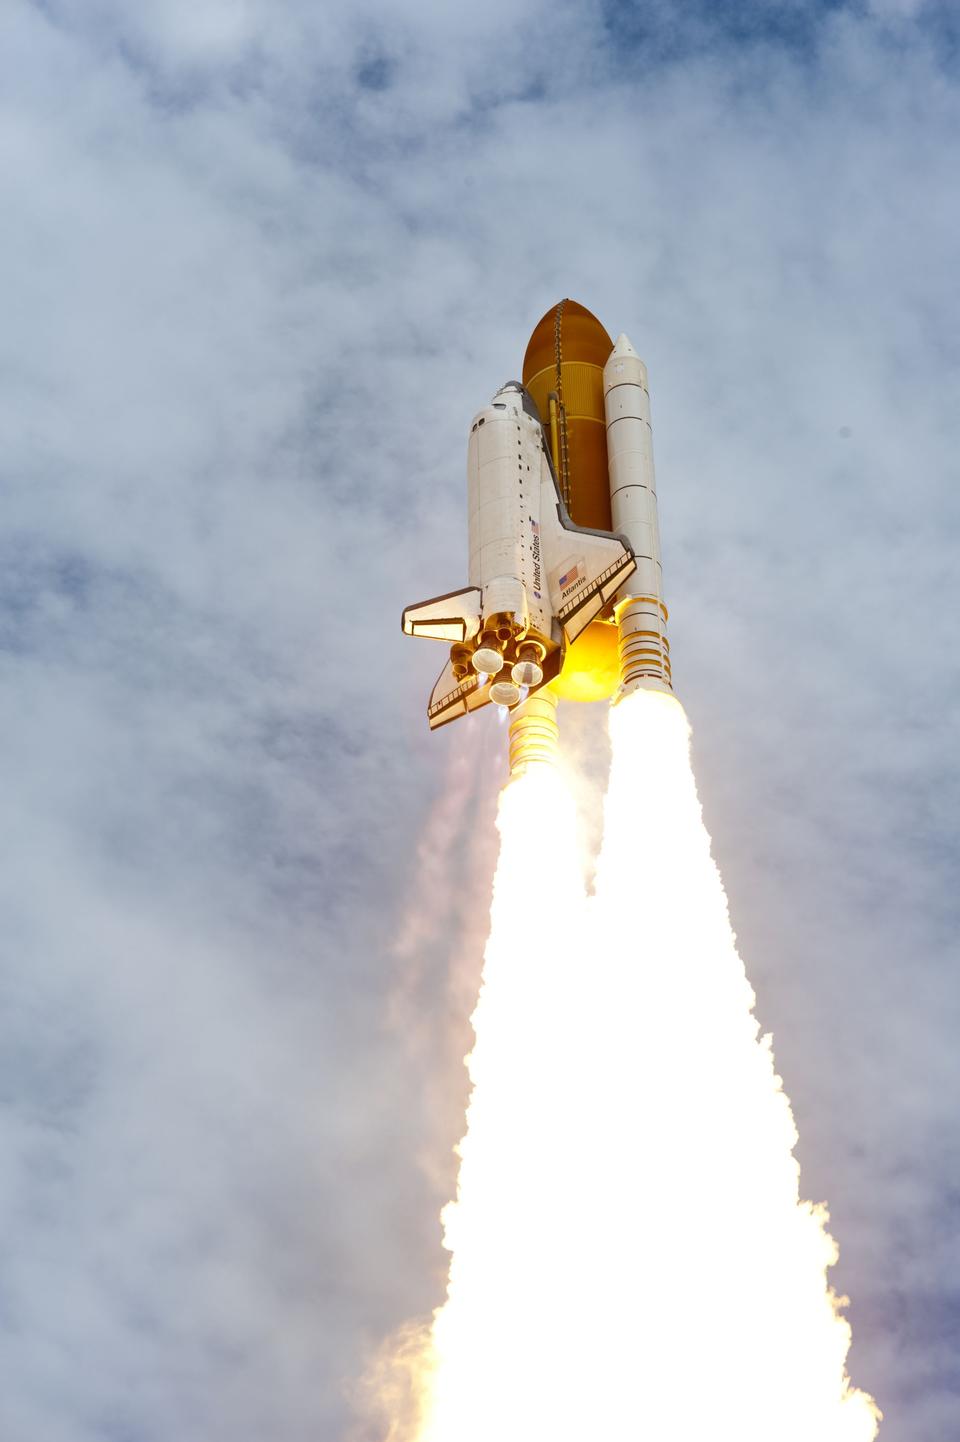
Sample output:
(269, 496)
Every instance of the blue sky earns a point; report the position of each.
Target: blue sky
(262, 263)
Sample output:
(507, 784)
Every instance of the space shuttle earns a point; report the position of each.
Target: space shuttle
(564, 594)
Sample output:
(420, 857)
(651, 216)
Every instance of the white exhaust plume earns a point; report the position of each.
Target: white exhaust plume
(629, 1254)
(726, 1318)
(495, 1342)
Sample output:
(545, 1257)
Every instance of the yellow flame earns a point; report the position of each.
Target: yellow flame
(630, 1256)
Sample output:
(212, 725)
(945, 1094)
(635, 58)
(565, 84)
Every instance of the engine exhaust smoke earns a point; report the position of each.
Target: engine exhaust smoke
(630, 1256)
(716, 1309)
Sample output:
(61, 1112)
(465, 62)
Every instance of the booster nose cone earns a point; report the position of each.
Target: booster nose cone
(623, 345)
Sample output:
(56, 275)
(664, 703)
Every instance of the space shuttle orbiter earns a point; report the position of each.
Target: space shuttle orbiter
(537, 580)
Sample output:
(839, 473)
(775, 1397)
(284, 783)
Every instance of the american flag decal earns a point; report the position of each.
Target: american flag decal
(568, 579)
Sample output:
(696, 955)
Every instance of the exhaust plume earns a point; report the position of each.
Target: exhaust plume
(630, 1256)
(725, 1313)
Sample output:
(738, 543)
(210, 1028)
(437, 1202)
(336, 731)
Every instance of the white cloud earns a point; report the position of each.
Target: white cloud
(261, 263)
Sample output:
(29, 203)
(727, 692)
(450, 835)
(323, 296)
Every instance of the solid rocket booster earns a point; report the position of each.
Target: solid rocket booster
(640, 612)
(565, 593)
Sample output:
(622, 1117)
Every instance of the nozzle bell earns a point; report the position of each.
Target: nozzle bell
(504, 693)
(486, 661)
(527, 671)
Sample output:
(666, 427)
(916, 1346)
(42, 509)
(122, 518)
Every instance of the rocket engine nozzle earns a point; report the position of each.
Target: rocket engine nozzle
(487, 662)
(527, 670)
(504, 693)
(644, 648)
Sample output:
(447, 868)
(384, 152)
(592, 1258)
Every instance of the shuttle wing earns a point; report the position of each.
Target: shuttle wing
(585, 568)
(451, 698)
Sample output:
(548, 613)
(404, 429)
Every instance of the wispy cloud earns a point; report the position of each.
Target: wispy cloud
(260, 265)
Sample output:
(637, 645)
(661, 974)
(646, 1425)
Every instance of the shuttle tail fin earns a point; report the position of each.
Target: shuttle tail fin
(454, 617)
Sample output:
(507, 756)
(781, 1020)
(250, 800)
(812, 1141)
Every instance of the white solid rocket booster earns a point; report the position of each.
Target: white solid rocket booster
(640, 611)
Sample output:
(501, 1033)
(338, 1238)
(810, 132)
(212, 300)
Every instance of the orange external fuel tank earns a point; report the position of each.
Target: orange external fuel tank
(563, 371)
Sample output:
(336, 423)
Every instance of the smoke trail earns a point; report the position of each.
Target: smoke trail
(629, 1254)
(495, 1342)
(730, 1316)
